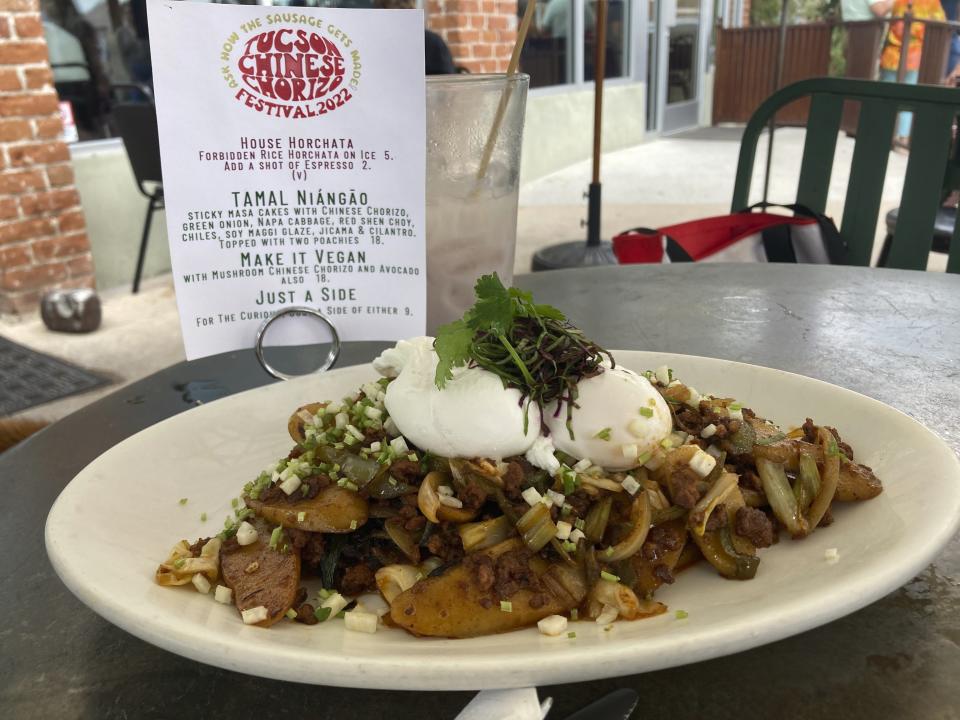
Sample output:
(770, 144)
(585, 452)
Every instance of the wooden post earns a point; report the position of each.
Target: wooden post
(905, 43)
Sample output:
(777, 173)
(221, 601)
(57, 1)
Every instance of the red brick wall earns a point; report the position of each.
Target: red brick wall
(43, 242)
(480, 33)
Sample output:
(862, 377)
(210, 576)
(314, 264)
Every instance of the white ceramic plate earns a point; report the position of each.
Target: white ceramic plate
(118, 518)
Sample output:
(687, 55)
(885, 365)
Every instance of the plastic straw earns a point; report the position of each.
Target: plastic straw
(505, 98)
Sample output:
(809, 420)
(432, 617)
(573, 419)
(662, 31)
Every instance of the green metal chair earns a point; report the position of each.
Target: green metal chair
(932, 169)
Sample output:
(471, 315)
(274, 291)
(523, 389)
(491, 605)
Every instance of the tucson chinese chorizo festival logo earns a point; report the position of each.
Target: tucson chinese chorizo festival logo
(292, 72)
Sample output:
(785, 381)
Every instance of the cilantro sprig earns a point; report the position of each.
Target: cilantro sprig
(531, 347)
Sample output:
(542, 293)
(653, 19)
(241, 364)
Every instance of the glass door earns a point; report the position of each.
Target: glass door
(682, 25)
(652, 30)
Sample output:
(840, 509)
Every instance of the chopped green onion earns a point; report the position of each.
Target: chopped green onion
(323, 593)
(344, 483)
(603, 434)
(179, 563)
(735, 406)
(644, 458)
(275, 537)
(506, 606)
(301, 516)
(203, 517)
(682, 614)
(647, 412)
(666, 443)
(579, 523)
(571, 635)
(569, 478)
(412, 457)
(610, 577)
(833, 450)
(775, 438)
(321, 613)
(304, 489)
(608, 552)
(537, 527)
(234, 502)
(292, 614)
(353, 523)
(183, 501)
(569, 546)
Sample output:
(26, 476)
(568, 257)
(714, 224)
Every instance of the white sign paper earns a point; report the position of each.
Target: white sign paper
(293, 152)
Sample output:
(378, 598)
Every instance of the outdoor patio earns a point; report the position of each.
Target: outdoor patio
(660, 182)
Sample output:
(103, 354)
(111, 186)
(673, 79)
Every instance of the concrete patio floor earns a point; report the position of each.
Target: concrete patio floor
(661, 182)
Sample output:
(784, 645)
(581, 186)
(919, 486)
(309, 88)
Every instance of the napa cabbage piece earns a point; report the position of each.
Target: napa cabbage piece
(180, 565)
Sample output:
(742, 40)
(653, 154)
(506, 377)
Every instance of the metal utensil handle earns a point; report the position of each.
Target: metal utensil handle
(332, 354)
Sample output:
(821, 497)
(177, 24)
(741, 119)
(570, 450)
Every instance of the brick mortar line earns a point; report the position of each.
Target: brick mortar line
(26, 244)
(45, 264)
(29, 117)
(27, 92)
(52, 215)
(36, 237)
(36, 139)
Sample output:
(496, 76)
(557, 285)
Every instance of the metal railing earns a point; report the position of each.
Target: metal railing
(747, 60)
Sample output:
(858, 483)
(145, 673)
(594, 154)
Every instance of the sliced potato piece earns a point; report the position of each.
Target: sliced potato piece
(450, 605)
(259, 575)
(857, 482)
(297, 420)
(333, 510)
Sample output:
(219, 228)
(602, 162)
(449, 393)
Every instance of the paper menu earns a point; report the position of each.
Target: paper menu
(293, 152)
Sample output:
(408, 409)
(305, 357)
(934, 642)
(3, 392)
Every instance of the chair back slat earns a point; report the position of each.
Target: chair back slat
(930, 168)
(868, 170)
(953, 260)
(137, 125)
(819, 150)
(926, 168)
(748, 153)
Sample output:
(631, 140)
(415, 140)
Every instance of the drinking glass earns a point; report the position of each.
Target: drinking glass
(471, 206)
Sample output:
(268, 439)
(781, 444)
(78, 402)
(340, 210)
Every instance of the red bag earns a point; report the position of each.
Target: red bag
(739, 237)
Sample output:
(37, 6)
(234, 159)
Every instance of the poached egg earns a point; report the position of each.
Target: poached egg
(620, 417)
(473, 416)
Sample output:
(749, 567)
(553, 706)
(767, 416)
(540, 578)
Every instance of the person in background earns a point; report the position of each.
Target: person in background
(859, 10)
(890, 56)
(952, 10)
(437, 57)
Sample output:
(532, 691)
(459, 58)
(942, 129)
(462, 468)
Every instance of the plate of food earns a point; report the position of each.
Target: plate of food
(505, 505)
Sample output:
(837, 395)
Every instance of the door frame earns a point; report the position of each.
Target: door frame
(684, 115)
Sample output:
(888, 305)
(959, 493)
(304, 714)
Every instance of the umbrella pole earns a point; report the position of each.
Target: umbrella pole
(594, 251)
(599, 71)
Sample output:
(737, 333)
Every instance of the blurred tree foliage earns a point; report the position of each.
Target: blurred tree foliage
(767, 12)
